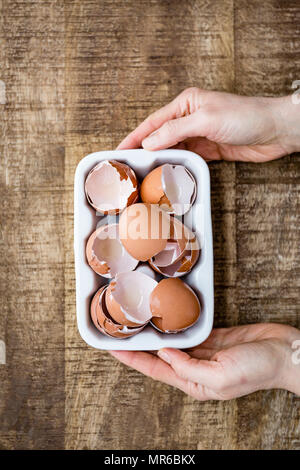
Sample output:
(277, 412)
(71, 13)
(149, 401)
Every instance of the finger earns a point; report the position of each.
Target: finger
(153, 122)
(151, 366)
(207, 373)
(157, 369)
(173, 131)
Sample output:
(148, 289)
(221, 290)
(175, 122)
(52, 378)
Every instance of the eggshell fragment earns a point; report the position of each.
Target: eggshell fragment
(152, 190)
(128, 298)
(103, 321)
(175, 247)
(93, 311)
(174, 306)
(185, 260)
(105, 253)
(144, 230)
(111, 186)
(173, 187)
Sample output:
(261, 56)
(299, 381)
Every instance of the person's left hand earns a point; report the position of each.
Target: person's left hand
(231, 363)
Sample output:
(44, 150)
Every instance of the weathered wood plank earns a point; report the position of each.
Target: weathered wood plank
(31, 244)
(267, 61)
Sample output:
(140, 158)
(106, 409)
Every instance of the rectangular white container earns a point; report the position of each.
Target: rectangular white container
(200, 278)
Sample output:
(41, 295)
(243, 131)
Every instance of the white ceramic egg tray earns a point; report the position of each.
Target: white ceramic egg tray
(200, 278)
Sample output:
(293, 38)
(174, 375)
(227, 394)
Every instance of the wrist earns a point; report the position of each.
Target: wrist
(286, 117)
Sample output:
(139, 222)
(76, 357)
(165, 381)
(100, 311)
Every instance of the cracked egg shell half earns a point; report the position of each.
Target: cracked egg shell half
(111, 186)
(172, 187)
(175, 247)
(144, 230)
(174, 306)
(104, 322)
(180, 254)
(128, 298)
(105, 253)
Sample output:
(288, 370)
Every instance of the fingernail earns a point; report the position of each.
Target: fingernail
(164, 356)
(152, 133)
(150, 139)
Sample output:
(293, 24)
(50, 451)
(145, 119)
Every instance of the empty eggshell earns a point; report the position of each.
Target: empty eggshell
(173, 187)
(128, 298)
(186, 257)
(144, 230)
(175, 247)
(93, 312)
(103, 321)
(174, 306)
(111, 186)
(105, 253)
(152, 190)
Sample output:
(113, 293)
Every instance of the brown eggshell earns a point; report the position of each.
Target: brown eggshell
(128, 298)
(104, 322)
(98, 266)
(106, 255)
(151, 189)
(144, 230)
(93, 311)
(115, 309)
(93, 188)
(188, 261)
(169, 315)
(179, 238)
(185, 262)
(172, 187)
(125, 172)
(109, 325)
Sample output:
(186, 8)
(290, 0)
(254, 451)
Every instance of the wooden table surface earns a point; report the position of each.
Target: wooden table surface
(78, 76)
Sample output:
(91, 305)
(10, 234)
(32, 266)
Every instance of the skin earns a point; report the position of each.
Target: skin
(237, 361)
(222, 126)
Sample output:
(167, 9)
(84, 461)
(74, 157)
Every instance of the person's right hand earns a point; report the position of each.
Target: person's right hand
(222, 126)
(231, 363)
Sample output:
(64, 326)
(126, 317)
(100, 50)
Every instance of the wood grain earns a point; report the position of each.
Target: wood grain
(79, 76)
(31, 245)
(268, 214)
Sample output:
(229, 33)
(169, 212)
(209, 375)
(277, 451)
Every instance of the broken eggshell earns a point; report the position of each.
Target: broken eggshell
(179, 256)
(128, 298)
(173, 187)
(144, 230)
(105, 253)
(103, 321)
(173, 316)
(111, 186)
(175, 247)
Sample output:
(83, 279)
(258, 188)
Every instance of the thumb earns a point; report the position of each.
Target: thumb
(207, 373)
(172, 132)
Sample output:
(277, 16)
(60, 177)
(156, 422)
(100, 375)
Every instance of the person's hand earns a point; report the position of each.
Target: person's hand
(231, 363)
(222, 126)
